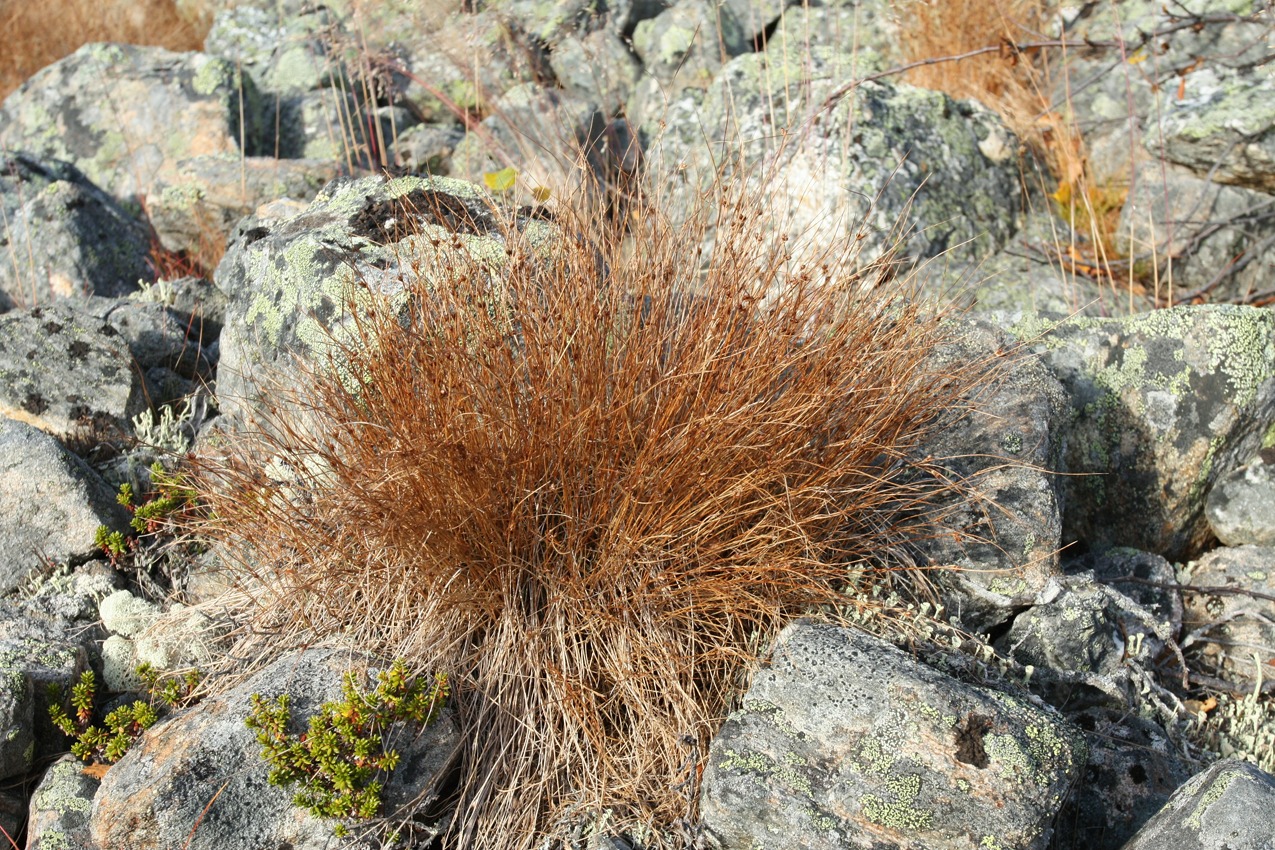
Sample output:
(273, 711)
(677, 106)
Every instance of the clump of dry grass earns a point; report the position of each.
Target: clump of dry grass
(39, 34)
(589, 484)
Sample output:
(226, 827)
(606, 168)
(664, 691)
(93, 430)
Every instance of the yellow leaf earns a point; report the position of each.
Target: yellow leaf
(541, 194)
(502, 180)
(1137, 57)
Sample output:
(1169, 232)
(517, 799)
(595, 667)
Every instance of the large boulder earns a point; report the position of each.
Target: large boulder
(1241, 507)
(63, 236)
(51, 503)
(1226, 806)
(1163, 405)
(844, 741)
(67, 371)
(289, 280)
(198, 781)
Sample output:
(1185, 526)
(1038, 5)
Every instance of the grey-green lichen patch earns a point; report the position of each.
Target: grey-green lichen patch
(901, 813)
(765, 770)
(1214, 793)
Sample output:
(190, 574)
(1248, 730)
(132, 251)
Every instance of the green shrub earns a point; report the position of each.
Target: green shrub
(340, 760)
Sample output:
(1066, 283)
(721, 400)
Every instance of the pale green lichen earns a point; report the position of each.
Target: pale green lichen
(211, 75)
(1220, 783)
(765, 769)
(902, 812)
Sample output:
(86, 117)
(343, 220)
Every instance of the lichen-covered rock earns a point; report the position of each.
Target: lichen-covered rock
(1146, 578)
(1133, 769)
(42, 651)
(597, 67)
(882, 156)
(66, 371)
(1163, 404)
(288, 281)
(161, 794)
(687, 43)
(51, 503)
(60, 807)
(1226, 806)
(1241, 507)
(13, 812)
(426, 149)
(63, 236)
(127, 116)
(1226, 130)
(1089, 643)
(844, 741)
(1004, 532)
(17, 730)
(1232, 634)
(1210, 239)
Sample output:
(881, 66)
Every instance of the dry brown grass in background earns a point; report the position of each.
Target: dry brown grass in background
(36, 34)
(591, 496)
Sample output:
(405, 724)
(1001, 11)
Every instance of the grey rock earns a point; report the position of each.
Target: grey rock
(1089, 645)
(548, 23)
(288, 280)
(1163, 404)
(1225, 130)
(596, 67)
(63, 236)
(17, 723)
(687, 44)
(1114, 101)
(1207, 239)
(66, 371)
(43, 651)
(1133, 769)
(1002, 531)
(1231, 634)
(156, 794)
(60, 808)
(427, 149)
(127, 116)
(1147, 579)
(1241, 507)
(1225, 807)
(844, 741)
(51, 503)
(13, 813)
(72, 596)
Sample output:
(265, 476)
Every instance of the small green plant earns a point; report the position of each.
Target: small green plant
(340, 760)
(107, 744)
(170, 499)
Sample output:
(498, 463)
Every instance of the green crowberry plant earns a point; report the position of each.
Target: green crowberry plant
(340, 761)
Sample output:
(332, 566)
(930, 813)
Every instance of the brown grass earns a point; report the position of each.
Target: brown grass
(590, 486)
(37, 34)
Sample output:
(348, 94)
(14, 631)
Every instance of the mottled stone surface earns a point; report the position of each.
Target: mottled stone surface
(51, 503)
(1241, 507)
(1231, 630)
(1225, 807)
(60, 807)
(154, 797)
(1163, 404)
(60, 235)
(844, 741)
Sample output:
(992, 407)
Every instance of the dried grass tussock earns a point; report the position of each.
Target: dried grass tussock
(589, 484)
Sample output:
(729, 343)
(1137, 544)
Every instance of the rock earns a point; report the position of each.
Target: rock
(1112, 101)
(1225, 806)
(1210, 240)
(1088, 643)
(1163, 404)
(288, 281)
(199, 776)
(1145, 578)
(445, 76)
(596, 67)
(161, 108)
(13, 813)
(427, 149)
(844, 741)
(17, 724)
(60, 808)
(63, 236)
(73, 595)
(1233, 630)
(945, 169)
(41, 651)
(1003, 533)
(1133, 769)
(1225, 130)
(67, 372)
(51, 503)
(1241, 507)
(687, 44)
